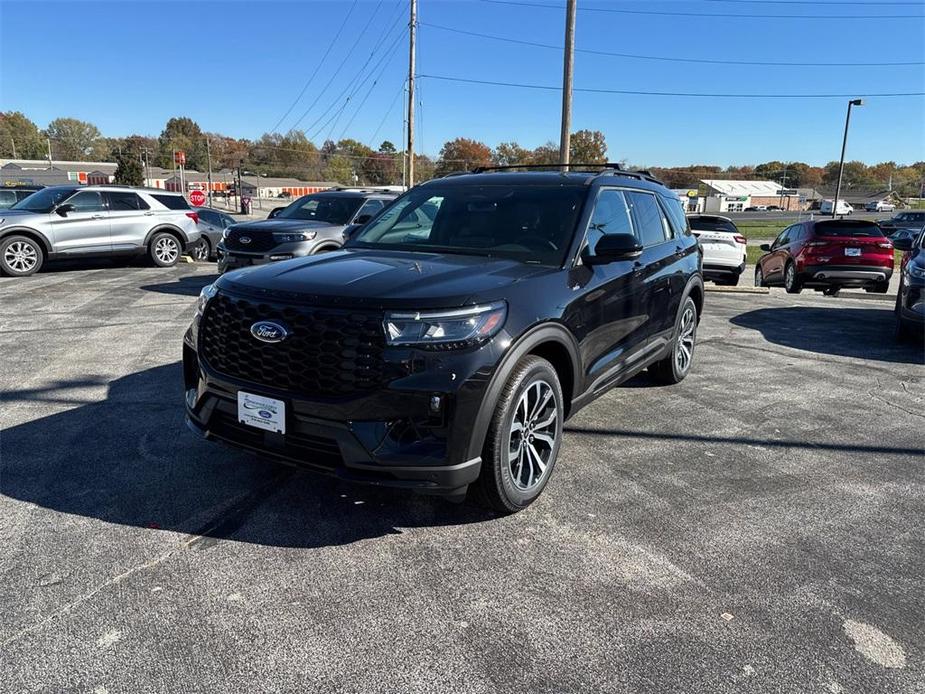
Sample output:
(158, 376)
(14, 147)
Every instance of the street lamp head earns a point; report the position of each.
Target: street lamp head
(857, 102)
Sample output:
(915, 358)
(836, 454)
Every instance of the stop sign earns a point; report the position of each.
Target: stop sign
(197, 197)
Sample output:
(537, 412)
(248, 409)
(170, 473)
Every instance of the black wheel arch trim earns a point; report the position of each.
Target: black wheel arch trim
(173, 230)
(530, 340)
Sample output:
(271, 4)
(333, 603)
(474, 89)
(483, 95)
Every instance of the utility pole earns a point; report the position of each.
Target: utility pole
(51, 164)
(209, 156)
(13, 142)
(565, 138)
(412, 30)
(841, 162)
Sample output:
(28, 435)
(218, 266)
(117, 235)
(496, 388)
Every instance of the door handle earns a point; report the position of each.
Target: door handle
(149, 214)
(96, 216)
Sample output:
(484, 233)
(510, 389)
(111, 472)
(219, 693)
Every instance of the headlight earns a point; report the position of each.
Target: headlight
(225, 232)
(205, 294)
(292, 238)
(456, 328)
(916, 271)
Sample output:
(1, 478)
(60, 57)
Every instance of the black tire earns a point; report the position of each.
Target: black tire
(20, 256)
(831, 291)
(675, 367)
(164, 250)
(879, 288)
(759, 277)
(792, 282)
(202, 251)
(498, 484)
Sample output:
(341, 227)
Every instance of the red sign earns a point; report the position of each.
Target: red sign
(198, 198)
(179, 157)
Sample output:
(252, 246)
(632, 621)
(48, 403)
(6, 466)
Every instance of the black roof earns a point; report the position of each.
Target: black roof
(549, 178)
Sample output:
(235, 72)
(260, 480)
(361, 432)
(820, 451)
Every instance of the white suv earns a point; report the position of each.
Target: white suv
(723, 248)
(83, 221)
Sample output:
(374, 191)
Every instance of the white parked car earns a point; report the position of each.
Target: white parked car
(880, 206)
(843, 207)
(723, 248)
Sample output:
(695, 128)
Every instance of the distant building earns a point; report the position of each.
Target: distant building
(39, 172)
(735, 196)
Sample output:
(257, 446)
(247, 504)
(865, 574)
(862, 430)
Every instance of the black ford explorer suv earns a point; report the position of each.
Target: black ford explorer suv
(442, 356)
(315, 223)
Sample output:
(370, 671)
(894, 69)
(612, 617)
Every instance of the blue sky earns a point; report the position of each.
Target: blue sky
(236, 67)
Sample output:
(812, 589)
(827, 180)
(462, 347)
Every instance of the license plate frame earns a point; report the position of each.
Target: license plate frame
(853, 252)
(261, 412)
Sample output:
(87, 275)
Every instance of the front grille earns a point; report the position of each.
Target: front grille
(329, 352)
(260, 241)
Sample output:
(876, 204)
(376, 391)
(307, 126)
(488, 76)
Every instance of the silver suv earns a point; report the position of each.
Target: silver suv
(81, 221)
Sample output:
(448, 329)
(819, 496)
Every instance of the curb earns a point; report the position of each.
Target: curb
(737, 290)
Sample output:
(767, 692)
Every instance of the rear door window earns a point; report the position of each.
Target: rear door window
(120, 201)
(651, 225)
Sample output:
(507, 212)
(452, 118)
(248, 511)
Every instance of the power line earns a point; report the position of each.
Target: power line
(662, 58)
(385, 116)
(647, 93)
(523, 3)
(317, 67)
(808, 2)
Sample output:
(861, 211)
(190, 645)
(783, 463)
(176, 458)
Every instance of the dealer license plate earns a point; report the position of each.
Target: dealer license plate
(262, 413)
(854, 252)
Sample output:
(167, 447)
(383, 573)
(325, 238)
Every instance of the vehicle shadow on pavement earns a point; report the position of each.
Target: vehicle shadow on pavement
(864, 333)
(190, 285)
(129, 459)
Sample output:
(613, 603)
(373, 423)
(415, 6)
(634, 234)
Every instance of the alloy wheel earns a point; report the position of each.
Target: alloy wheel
(532, 436)
(21, 256)
(201, 252)
(790, 276)
(759, 277)
(684, 353)
(166, 249)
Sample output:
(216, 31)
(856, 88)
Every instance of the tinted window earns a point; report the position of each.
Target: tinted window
(532, 224)
(783, 238)
(611, 216)
(371, 207)
(210, 217)
(712, 224)
(848, 228)
(172, 202)
(651, 225)
(7, 198)
(44, 200)
(120, 201)
(333, 209)
(86, 201)
(676, 215)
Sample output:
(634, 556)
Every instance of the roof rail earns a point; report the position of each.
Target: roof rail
(608, 166)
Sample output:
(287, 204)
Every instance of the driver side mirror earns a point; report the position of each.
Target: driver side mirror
(64, 209)
(362, 219)
(275, 212)
(766, 247)
(903, 243)
(612, 247)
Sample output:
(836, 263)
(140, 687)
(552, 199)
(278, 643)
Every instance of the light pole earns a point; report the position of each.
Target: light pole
(841, 162)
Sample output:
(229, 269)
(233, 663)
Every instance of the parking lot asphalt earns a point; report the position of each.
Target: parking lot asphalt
(757, 528)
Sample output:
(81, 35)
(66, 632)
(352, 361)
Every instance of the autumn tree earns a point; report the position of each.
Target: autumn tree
(22, 135)
(545, 154)
(510, 154)
(462, 154)
(588, 147)
(71, 139)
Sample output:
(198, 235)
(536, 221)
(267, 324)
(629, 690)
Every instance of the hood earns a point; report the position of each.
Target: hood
(386, 279)
(9, 215)
(284, 225)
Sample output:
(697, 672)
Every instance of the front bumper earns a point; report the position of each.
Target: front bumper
(390, 437)
(235, 259)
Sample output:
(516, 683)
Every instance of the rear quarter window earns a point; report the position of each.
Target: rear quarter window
(172, 202)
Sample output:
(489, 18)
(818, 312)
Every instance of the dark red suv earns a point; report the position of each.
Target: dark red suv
(827, 255)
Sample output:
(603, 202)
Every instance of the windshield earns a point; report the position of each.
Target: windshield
(532, 224)
(712, 224)
(333, 209)
(43, 200)
(848, 228)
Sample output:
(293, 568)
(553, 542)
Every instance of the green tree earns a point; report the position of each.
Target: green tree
(462, 154)
(129, 172)
(72, 139)
(387, 147)
(545, 154)
(182, 134)
(588, 147)
(510, 154)
(19, 133)
(340, 169)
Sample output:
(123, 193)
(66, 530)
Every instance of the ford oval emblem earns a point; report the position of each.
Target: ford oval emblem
(268, 331)
(245, 239)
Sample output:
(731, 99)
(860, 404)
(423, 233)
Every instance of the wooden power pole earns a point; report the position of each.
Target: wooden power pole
(412, 28)
(567, 71)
